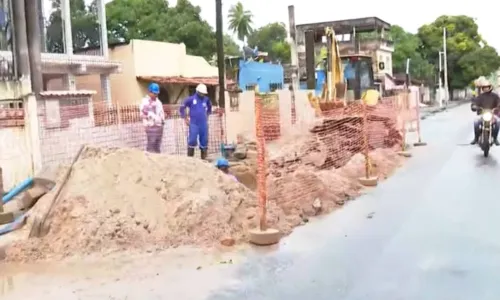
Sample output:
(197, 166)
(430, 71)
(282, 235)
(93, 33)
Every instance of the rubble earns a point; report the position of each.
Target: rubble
(126, 199)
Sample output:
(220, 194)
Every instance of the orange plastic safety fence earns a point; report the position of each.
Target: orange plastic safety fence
(297, 169)
(65, 124)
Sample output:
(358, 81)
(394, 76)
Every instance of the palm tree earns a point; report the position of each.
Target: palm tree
(240, 21)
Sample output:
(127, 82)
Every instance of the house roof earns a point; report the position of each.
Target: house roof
(346, 26)
(90, 48)
(214, 80)
(54, 59)
(197, 66)
(64, 94)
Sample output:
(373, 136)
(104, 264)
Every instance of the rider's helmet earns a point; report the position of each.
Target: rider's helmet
(484, 84)
(202, 89)
(222, 163)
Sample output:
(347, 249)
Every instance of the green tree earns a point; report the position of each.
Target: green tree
(230, 46)
(155, 20)
(83, 23)
(480, 62)
(407, 45)
(240, 21)
(271, 38)
(465, 49)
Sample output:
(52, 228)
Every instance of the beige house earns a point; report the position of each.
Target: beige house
(143, 62)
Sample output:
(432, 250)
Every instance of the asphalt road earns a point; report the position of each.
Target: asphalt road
(432, 231)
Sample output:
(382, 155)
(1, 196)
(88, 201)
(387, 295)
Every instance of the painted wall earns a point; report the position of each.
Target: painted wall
(148, 59)
(262, 74)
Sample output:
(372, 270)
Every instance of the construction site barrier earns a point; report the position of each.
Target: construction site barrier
(300, 167)
(408, 106)
(65, 125)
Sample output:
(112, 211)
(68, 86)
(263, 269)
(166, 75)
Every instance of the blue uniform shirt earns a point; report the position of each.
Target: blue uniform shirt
(199, 109)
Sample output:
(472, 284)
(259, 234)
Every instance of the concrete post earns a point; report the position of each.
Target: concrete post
(21, 57)
(105, 82)
(68, 39)
(33, 131)
(34, 40)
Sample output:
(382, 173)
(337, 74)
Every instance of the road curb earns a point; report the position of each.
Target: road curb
(444, 108)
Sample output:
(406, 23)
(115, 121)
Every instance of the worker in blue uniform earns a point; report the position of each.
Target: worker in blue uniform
(200, 108)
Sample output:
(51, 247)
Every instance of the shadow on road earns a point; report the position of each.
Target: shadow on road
(489, 161)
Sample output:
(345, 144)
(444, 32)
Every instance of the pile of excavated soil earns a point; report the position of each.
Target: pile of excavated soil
(303, 190)
(119, 199)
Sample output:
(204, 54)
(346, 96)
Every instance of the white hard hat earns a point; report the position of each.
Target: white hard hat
(202, 89)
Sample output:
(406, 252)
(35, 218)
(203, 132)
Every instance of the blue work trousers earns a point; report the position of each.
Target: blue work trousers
(198, 132)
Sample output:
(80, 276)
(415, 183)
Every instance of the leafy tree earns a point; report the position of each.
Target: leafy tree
(230, 46)
(240, 21)
(480, 62)
(271, 38)
(155, 20)
(83, 23)
(407, 45)
(465, 52)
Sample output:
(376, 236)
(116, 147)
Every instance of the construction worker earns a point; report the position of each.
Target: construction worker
(153, 118)
(200, 109)
(223, 165)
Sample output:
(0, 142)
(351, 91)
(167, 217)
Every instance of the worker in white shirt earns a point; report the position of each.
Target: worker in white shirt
(153, 118)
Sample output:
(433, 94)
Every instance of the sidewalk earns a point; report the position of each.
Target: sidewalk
(431, 110)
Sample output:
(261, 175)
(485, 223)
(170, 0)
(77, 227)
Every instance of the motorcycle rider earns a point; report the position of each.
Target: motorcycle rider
(487, 99)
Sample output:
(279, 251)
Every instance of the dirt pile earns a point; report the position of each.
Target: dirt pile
(314, 171)
(303, 188)
(119, 199)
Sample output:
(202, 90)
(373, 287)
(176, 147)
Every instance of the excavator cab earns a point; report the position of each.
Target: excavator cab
(358, 74)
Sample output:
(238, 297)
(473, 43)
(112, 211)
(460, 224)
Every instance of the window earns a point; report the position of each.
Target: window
(364, 74)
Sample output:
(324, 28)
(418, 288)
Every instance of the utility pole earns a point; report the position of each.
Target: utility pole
(21, 57)
(220, 53)
(440, 97)
(292, 40)
(34, 40)
(445, 58)
(68, 39)
(41, 19)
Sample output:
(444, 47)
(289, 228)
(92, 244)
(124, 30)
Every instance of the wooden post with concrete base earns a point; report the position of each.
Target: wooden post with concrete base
(404, 152)
(368, 179)
(263, 235)
(419, 143)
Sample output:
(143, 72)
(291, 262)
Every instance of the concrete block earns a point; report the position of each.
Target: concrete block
(6, 218)
(266, 237)
(369, 181)
(404, 154)
(31, 196)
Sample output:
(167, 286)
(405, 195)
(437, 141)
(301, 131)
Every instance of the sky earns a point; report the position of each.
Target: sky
(410, 17)
(392, 11)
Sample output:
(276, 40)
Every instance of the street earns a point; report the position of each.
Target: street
(428, 232)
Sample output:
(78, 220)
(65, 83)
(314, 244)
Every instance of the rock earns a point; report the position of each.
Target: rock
(318, 207)
(240, 152)
(228, 242)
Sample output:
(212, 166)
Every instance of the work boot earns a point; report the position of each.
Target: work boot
(476, 136)
(203, 153)
(190, 152)
(495, 136)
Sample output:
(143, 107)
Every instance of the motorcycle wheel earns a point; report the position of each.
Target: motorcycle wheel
(486, 151)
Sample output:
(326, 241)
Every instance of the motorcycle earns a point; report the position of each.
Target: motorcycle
(485, 138)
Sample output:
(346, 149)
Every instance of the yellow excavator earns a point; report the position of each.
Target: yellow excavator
(347, 77)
